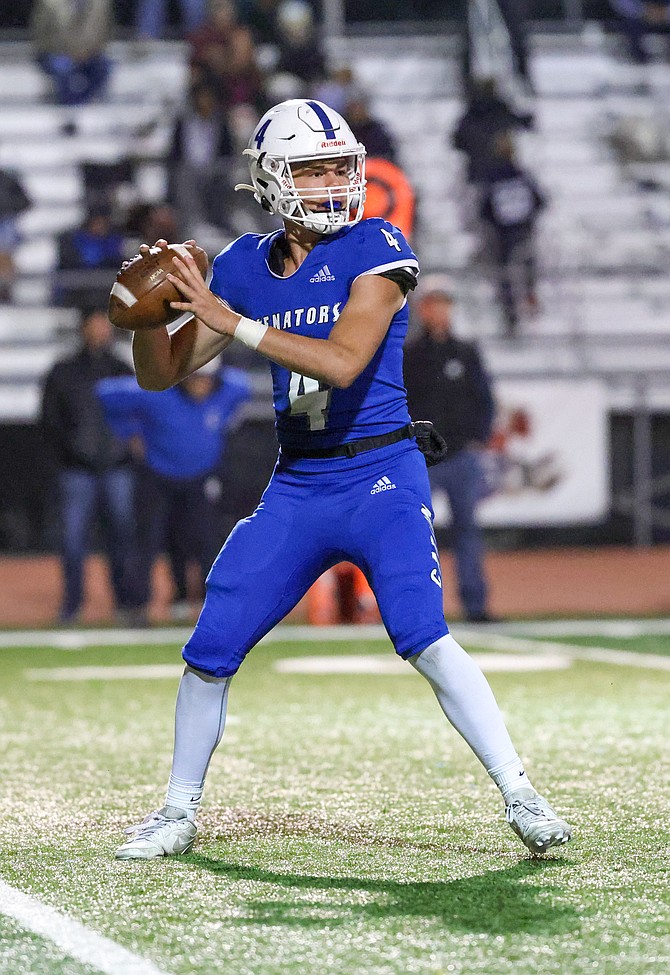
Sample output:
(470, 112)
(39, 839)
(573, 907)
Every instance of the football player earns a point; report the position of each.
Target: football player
(324, 300)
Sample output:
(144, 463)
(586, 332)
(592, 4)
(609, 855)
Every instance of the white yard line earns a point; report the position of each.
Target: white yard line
(505, 637)
(623, 628)
(83, 639)
(71, 937)
(604, 655)
(129, 672)
(394, 666)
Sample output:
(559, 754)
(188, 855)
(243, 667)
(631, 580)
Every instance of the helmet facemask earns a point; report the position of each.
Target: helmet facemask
(323, 210)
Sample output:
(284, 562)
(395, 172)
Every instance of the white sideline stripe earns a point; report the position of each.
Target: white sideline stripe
(602, 655)
(482, 636)
(396, 667)
(83, 639)
(71, 937)
(346, 664)
(131, 672)
(624, 628)
(124, 294)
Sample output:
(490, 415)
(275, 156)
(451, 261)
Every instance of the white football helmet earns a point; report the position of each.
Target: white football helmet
(297, 131)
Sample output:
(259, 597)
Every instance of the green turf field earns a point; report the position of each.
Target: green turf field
(346, 828)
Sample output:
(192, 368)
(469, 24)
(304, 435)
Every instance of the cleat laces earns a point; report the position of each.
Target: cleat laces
(148, 826)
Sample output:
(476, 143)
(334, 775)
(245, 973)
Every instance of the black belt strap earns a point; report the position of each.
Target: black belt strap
(355, 446)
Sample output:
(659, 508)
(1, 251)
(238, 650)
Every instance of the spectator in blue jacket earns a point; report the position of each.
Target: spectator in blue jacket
(183, 433)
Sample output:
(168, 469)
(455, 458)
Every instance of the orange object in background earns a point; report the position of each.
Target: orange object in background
(389, 194)
(341, 595)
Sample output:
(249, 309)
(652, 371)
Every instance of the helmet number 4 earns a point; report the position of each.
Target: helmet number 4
(310, 398)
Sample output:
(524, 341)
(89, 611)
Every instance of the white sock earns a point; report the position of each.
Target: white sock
(200, 718)
(467, 700)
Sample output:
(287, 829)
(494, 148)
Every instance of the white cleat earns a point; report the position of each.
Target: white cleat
(165, 832)
(535, 822)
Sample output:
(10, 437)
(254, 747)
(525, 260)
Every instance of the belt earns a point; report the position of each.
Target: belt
(354, 446)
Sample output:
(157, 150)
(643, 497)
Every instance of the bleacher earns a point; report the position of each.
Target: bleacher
(603, 244)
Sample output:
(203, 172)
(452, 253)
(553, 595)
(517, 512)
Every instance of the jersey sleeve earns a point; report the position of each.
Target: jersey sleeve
(383, 249)
(228, 269)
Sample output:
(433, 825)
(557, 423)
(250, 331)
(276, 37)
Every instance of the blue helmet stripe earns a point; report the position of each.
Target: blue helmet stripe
(329, 131)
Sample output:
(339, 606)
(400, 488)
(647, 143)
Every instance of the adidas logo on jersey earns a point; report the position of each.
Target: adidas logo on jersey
(323, 275)
(383, 484)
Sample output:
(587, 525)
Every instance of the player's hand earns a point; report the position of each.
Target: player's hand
(198, 299)
(161, 243)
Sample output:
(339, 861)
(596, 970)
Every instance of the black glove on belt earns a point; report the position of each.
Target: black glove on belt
(432, 445)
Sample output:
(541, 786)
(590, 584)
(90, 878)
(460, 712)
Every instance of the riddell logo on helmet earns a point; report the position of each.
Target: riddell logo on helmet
(333, 143)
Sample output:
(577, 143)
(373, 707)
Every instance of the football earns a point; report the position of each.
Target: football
(141, 295)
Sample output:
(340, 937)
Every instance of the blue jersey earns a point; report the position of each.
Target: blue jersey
(309, 413)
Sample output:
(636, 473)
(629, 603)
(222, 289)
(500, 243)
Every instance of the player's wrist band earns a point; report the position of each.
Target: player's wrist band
(250, 333)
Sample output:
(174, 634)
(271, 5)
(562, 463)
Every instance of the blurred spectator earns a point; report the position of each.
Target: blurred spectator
(511, 202)
(70, 37)
(201, 140)
(183, 431)
(94, 467)
(261, 17)
(148, 222)
(515, 16)
(487, 114)
(201, 135)
(300, 51)
(86, 255)
(638, 19)
(223, 55)
(369, 130)
(446, 383)
(389, 194)
(337, 89)
(152, 17)
(13, 201)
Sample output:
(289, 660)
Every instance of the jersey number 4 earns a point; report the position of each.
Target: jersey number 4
(390, 239)
(311, 398)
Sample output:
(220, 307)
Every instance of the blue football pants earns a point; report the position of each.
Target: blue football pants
(374, 511)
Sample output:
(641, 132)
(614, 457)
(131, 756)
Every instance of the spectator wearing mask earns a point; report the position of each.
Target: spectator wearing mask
(94, 468)
(511, 203)
(183, 431)
(446, 383)
(70, 37)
